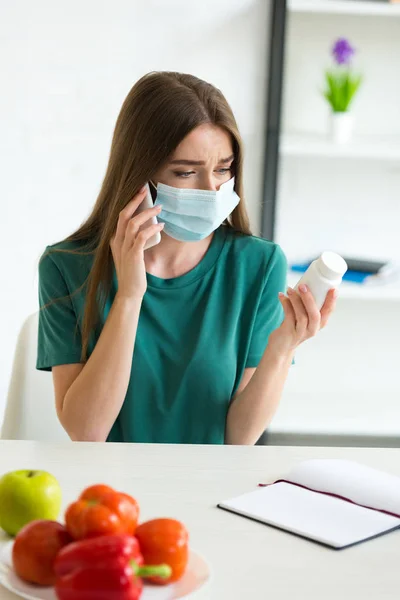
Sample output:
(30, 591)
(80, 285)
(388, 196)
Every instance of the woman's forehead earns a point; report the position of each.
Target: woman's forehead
(204, 143)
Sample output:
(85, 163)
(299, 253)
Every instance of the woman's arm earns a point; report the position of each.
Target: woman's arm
(88, 405)
(253, 407)
(89, 399)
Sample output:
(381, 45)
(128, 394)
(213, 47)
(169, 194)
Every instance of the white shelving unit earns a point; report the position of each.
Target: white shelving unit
(356, 291)
(319, 146)
(306, 150)
(344, 197)
(345, 7)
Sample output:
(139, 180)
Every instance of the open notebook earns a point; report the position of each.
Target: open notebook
(337, 503)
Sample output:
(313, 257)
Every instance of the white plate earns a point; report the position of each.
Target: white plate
(195, 577)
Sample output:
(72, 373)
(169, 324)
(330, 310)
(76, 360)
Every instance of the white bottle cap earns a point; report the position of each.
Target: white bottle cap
(331, 265)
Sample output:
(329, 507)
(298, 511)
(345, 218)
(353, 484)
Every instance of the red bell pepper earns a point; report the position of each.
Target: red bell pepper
(108, 567)
(100, 510)
(164, 541)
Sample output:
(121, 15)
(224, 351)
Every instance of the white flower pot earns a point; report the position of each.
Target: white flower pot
(341, 127)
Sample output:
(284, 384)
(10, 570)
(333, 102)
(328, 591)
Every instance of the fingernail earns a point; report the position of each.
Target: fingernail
(290, 291)
(142, 189)
(281, 295)
(336, 294)
(159, 207)
(303, 288)
(162, 225)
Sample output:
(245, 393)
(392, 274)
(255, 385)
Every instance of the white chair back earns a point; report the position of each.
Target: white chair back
(30, 409)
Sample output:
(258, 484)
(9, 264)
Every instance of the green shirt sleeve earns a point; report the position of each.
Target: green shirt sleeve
(270, 312)
(59, 337)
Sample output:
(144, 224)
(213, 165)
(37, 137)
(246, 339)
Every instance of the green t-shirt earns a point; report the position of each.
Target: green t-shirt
(196, 335)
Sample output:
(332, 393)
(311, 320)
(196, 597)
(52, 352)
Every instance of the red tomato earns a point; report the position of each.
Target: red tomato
(35, 549)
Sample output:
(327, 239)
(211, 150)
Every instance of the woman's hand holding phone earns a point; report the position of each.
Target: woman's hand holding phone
(128, 245)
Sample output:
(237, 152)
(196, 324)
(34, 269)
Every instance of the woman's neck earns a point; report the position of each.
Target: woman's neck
(171, 258)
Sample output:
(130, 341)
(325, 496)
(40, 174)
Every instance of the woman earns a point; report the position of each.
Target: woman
(189, 341)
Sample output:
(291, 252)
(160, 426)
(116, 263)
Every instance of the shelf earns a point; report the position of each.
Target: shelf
(368, 147)
(345, 7)
(359, 291)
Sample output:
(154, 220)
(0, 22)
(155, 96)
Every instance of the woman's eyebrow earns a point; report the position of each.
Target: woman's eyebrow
(199, 163)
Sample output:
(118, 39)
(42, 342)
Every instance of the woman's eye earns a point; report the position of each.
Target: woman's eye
(183, 173)
(186, 174)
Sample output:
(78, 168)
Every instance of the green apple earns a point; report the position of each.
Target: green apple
(28, 495)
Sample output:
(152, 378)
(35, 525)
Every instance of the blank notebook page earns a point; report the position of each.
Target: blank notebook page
(354, 481)
(325, 519)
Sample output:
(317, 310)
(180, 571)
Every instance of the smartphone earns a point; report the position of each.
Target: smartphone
(148, 202)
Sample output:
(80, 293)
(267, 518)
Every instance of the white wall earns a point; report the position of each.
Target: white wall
(66, 68)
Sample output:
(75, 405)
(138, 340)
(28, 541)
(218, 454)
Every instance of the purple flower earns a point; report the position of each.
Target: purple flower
(342, 51)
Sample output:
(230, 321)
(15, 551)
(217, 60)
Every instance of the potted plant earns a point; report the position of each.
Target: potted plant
(342, 84)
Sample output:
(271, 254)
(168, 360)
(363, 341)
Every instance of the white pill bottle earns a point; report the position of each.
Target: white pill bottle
(324, 273)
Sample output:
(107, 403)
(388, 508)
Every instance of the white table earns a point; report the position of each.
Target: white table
(249, 560)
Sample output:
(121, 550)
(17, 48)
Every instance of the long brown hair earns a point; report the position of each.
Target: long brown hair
(161, 109)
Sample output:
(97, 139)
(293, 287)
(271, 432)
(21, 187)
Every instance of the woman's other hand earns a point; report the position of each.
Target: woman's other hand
(302, 319)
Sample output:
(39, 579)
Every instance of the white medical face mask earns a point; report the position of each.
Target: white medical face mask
(192, 215)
